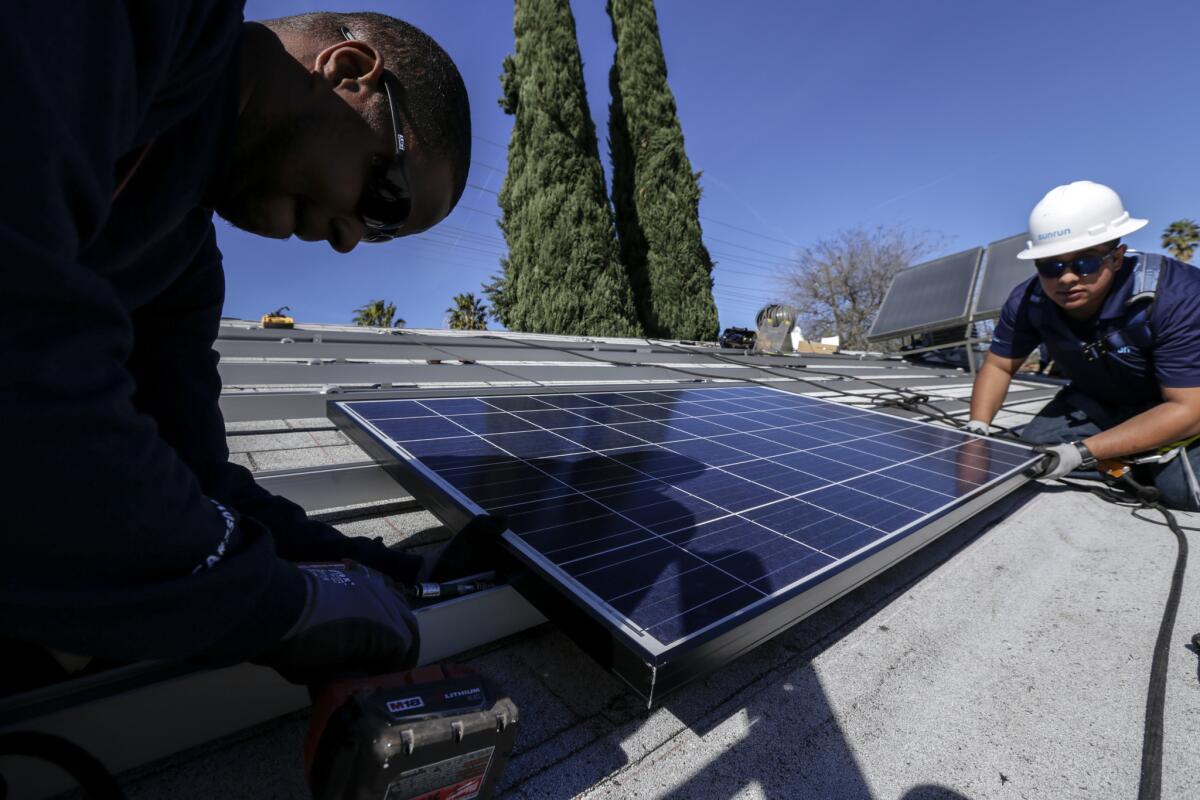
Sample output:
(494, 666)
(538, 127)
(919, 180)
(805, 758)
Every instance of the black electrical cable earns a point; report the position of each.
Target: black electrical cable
(1150, 781)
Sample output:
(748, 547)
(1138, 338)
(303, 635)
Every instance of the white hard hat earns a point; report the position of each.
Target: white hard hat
(1074, 217)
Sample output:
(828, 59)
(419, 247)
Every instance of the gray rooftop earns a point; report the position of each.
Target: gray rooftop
(1008, 659)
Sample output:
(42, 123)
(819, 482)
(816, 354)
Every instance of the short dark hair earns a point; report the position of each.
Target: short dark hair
(433, 97)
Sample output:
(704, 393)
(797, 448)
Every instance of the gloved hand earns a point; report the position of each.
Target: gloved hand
(976, 426)
(1063, 459)
(354, 622)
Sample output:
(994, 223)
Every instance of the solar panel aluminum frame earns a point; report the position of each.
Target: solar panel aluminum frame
(960, 318)
(648, 667)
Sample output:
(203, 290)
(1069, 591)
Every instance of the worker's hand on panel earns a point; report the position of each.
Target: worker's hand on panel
(1062, 459)
(977, 427)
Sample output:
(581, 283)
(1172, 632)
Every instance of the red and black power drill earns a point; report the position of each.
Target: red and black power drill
(432, 733)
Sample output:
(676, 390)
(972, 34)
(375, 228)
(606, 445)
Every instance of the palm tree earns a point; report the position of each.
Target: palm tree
(467, 314)
(377, 314)
(1181, 238)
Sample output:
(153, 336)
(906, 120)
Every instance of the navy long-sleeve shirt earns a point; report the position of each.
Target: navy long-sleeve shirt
(127, 532)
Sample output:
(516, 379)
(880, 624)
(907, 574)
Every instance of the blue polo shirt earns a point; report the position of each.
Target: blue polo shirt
(1132, 366)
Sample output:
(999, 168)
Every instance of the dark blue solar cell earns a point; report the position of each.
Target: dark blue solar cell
(606, 415)
(464, 451)
(557, 540)
(854, 429)
(752, 563)
(497, 487)
(673, 513)
(863, 508)
(457, 405)
(697, 427)
(790, 518)
(653, 432)
(800, 417)
(597, 545)
(776, 476)
(726, 490)
(865, 460)
(964, 456)
(720, 536)
(657, 462)
(551, 513)
(609, 399)
(932, 437)
(533, 444)
(693, 408)
(671, 596)
(889, 447)
(655, 553)
(498, 422)
(408, 430)
(706, 613)
(554, 418)
(568, 401)
(588, 471)
(707, 452)
(721, 407)
(517, 403)
(598, 437)
(392, 409)
(757, 446)
(897, 491)
(656, 413)
(853, 542)
(813, 464)
(758, 404)
(783, 574)
(653, 398)
(794, 438)
(997, 452)
(939, 476)
(741, 422)
(837, 536)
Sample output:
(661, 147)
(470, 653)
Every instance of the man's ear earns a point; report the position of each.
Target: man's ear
(348, 64)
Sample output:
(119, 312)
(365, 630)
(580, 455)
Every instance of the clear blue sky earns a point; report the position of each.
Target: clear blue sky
(805, 118)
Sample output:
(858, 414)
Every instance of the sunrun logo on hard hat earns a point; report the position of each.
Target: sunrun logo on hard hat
(1053, 234)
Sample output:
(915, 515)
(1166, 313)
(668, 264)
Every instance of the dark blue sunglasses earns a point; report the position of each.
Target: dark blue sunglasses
(1084, 265)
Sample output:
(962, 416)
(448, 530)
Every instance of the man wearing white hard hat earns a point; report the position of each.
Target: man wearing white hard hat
(1123, 326)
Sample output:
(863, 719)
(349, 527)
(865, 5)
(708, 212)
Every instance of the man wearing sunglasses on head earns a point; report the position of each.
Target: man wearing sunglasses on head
(1123, 326)
(128, 534)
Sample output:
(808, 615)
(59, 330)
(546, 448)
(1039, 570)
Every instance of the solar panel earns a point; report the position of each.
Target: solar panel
(1001, 274)
(670, 530)
(936, 294)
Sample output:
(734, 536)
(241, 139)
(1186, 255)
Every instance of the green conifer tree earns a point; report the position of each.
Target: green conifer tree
(655, 193)
(563, 273)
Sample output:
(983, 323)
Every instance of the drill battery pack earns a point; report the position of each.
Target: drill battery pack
(433, 733)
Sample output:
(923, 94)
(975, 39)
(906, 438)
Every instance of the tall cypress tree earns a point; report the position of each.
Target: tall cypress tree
(655, 192)
(563, 273)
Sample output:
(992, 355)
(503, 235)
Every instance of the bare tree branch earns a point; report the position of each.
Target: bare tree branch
(837, 284)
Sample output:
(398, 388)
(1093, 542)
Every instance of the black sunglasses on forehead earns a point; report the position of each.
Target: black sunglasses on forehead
(386, 200)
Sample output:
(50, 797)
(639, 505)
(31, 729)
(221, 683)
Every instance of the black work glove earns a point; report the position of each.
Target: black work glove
(474, 549)
(354, 622)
